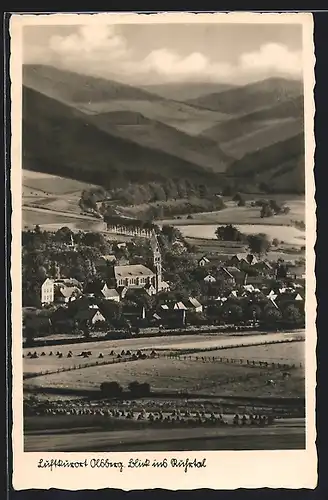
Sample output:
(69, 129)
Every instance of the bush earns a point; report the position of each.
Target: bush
(111, 389)
(139, 390)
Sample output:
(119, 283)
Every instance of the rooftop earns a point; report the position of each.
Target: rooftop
(132, 271)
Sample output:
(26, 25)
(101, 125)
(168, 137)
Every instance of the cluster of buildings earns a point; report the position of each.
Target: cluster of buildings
(124, 277)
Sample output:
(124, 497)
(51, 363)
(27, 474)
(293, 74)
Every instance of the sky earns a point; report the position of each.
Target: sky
(159, 53)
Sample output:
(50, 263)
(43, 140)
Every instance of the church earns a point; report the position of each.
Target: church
(140, 276)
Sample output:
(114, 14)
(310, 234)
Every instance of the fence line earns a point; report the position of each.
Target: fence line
(184, 357)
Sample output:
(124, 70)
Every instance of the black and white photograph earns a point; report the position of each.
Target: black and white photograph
(165, 235)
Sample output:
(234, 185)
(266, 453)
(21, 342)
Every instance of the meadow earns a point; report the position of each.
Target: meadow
(168, 343)
(286, 234)
(233, 214)
(196, 377)
(293, 352)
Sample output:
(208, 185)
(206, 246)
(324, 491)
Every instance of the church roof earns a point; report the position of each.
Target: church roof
(130, 271)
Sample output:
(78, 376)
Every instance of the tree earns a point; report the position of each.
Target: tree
(266, 211)
(232, 313)
(292, 315)
(272, 315)
(64, 235)
(259, 244)
(239, 199)
(111, 389)
(139, 390)
(229, 233)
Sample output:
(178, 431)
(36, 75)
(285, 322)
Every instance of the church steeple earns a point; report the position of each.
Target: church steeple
(157, 261)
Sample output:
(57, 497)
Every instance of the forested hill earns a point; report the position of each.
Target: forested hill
(61, 140)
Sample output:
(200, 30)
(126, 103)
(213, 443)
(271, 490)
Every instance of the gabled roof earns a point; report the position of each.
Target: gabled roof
(132, 271)
(109, 292)
(204, 258)
(180, 305)
(232, 271)
(194, 302)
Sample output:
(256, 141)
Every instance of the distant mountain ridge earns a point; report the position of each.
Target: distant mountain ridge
(251, 97)
(83, 126)
(77, 87)
(184, 91)
(62, 141)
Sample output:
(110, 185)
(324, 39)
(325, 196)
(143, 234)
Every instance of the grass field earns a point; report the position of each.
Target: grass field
(52, 220)
(289, 235)
(247, 219)
(233, 214)
(169, 343)
(293, 352)
(194, 376)
(50, 192)
(52, 184)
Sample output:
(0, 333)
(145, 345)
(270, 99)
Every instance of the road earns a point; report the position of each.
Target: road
(285, 434)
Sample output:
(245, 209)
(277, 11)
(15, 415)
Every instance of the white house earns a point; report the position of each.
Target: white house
(47, 291)
(209, 279)
(204, 261)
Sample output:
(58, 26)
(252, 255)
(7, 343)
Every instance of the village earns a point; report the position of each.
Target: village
(150, 281)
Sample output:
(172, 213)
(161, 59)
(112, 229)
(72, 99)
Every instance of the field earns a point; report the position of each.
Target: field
(195, 376)
(178, 374)
(233, 214)
(53, 201)
(293, 352)
(288, 235)
(284, 435)
(169, 343)
(247, 219)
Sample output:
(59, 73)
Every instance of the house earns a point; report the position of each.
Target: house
(232, 275)
(248, 288)
(171, 318)
(209, 278)
(133, 276)
(47, 292)
(67, 282)
(194, 305)
(110, 294)
(134, 313)
(89, 317)
(181, 306)
(64, 294)
(204, 261)
(241, 259)
(100, 290)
